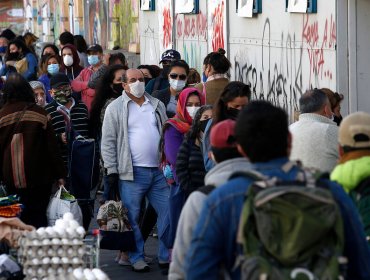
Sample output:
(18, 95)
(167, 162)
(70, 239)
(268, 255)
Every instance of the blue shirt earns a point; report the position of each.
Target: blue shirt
(214, 238)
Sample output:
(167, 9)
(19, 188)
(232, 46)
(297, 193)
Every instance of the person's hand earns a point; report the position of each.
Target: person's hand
(113, 180)
(63, 136)
(10, 62)
(61, 182)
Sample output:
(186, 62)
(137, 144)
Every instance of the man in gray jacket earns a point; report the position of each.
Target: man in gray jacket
(130, 140)
(315, 135)
(229, 161)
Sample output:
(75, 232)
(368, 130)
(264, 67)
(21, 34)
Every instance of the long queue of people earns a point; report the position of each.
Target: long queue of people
(210, 167)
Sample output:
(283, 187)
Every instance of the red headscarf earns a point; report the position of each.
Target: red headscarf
(182, 120)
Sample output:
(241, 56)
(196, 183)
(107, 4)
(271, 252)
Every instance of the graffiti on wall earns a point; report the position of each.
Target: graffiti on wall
(149, 41)
(12, 15)
(278, 73)
(217, 24)
(96, 24)
(165, 20)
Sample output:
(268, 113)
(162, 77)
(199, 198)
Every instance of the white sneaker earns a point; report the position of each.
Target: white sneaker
(140, 266)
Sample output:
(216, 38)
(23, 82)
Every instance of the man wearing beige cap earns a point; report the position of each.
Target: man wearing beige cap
(353, 170)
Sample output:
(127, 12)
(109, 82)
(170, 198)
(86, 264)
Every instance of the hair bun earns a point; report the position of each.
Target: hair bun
(221, 51)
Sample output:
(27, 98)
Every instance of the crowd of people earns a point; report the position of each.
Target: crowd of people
(233, 190)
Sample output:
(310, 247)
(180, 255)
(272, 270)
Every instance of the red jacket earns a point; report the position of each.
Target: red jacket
(80, 85)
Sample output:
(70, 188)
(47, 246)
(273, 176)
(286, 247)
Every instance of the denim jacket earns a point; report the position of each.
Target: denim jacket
(214, 245)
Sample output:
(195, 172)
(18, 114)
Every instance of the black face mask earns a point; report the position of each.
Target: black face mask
(13, 56)
(203, 125)
(118, 88)
(147, 80)
(232, 113)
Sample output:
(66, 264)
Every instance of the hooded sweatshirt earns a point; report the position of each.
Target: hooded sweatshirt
(216, 177)
(353, 172)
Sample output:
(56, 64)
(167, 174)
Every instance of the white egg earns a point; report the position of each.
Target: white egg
(78, 273)
(55, 260)
(36, 242)
(40, 231)
(45, 242)
(73, 224)
(65, 241)
(71, 232)
(75, 260)
(35, 262)
(65, 260)
(60, 231)
(46, 260)
(60, 223)
(88, 274)
(50, 231)
(68, 216)
(81, 231)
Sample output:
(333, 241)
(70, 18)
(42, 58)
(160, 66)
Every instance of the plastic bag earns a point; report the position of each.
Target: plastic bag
(62, 203)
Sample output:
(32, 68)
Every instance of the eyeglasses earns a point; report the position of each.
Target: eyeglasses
(181, 76)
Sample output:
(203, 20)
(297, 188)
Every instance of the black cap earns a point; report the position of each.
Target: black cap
(95, 48)
(170, 55)
(58, 80)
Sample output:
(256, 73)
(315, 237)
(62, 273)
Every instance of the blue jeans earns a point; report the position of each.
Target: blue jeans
(149, 182)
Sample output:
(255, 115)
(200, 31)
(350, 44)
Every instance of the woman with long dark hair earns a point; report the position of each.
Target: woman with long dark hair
(70, 62)
(108, 89)
(232, 100)
(19, 58)
(30, 157)
(189, 163)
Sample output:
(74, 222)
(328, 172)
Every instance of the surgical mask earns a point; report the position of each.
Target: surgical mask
(53, 69)
(232, 113)
(137, 89)
(177, 85)
(117, 87)
(192, 111)
(3, 49)
(93, 59)
(68, 60)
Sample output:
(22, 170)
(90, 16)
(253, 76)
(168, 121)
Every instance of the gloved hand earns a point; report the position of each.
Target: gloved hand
(113, 180)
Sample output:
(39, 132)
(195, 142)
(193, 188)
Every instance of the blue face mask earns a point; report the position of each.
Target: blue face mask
(3, 49)
(53, 69)
(93, 59)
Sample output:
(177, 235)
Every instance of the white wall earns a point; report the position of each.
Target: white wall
(282, 54)
(279, 54)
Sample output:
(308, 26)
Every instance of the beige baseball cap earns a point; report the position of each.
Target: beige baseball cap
(354, 130)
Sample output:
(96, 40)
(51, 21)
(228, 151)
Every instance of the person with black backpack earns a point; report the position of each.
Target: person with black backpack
(225, 153)
(353, 169)
(276, 220)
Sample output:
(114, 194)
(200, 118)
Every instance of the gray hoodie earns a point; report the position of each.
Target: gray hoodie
(217, 176)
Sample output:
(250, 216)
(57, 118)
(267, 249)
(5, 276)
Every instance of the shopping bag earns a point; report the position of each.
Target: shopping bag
(62, 203)
(115, 229)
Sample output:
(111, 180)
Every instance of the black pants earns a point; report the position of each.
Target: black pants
(35, 202)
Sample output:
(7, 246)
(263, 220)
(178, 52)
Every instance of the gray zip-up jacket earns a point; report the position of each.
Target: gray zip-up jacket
(115, 148)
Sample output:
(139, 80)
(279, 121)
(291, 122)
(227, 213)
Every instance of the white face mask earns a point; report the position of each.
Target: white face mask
(137, 89)
(192, 111)
(68, 60)
(177, 85)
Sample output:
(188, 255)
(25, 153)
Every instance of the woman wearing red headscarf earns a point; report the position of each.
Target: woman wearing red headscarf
(190, 100)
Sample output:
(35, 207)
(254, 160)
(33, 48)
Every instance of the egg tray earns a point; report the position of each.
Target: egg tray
(61, 272)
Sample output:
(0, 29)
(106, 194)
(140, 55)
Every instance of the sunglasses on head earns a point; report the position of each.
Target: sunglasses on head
(181, 76)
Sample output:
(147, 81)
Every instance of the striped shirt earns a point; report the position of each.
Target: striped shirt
(79, 120)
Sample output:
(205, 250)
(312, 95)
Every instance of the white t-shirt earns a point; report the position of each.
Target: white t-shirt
(143, 134)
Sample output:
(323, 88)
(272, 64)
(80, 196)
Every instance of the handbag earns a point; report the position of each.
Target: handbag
(115, 230)
(21, 65)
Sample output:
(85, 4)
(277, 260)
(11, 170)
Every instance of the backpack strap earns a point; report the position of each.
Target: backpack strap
(206, 189)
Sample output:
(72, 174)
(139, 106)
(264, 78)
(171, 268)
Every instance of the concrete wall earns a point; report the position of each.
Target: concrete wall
(279, 54)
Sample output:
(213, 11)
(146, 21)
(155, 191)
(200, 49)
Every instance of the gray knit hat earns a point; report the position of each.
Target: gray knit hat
(37, 84)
